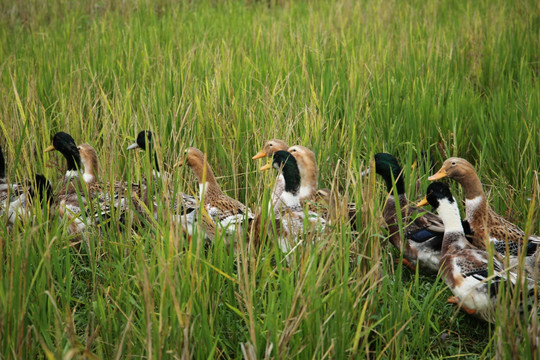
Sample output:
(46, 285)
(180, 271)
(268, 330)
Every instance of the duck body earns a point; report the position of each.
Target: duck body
(466, 273)
(465, 269)
(423, 231)
(508, 239)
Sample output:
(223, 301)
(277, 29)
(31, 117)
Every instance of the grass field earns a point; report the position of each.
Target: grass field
(348, 79)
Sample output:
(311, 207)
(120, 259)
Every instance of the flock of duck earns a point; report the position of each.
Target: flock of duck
(474, 256)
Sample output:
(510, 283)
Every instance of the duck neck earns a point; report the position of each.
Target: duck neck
(291, 195)
(291, 175)
(475, 198)
(207, 180)
(308, 184)
(90, 170)
(74, 166)
(154, 160)
(454, 236)
(471, 185)
(398, 177)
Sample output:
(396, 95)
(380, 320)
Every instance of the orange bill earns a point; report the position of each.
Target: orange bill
(439, 175)
(265, 167)
(422, 202)
(259, 155)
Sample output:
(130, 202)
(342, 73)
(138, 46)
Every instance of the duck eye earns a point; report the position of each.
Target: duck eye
(453, 163)
(269, 144)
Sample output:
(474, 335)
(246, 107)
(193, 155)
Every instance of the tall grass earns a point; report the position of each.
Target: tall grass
(347, 79)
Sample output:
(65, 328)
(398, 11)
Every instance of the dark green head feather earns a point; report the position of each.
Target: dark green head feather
(388, 167)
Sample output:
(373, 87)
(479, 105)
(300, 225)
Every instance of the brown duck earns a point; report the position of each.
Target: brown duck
(485, 223)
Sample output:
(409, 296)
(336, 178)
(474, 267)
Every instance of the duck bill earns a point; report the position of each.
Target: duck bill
(265, 167)
(132, 146)
(178, 164)
(50, 148)
(422, 202)
(414, 165)
(259, 155)
(439, 175)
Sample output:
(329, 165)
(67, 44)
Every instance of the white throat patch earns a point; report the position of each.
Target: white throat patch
(202, 189)
(305, 192)
(88, 178)
(71, 174)
(472, 205)
(289, 199)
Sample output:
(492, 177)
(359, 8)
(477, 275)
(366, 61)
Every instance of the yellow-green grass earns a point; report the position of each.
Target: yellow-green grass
(347, 79)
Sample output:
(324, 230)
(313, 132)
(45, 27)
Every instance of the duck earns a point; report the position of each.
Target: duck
(145, 142)
(323, 201)
(464, 268)
(423, 230)
(319, 200)
(83, 200)
(486, 224)
(289, 212)
(225, 213)
(184, 206)
(90, 202)
(16, 199)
